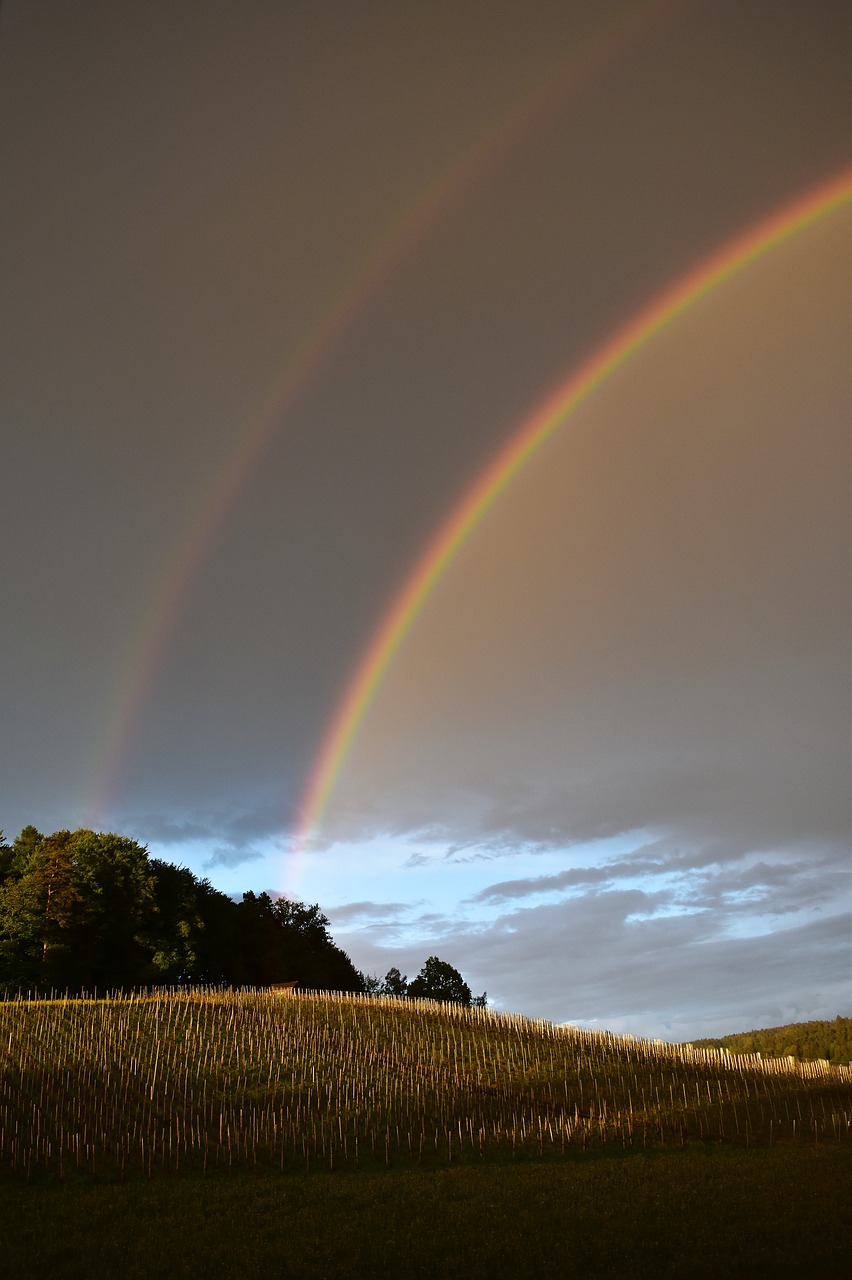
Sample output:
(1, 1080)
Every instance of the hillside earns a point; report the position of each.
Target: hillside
(805, 1041)
(211, 1080)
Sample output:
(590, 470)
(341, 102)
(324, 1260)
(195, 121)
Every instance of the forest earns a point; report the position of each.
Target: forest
(830, 1041)
(86, 911)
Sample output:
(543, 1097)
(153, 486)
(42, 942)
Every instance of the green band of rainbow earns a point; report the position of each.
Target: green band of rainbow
(510, 460)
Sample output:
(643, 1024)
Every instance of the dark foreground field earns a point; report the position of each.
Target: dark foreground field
(782, 1212)
(675, 1213)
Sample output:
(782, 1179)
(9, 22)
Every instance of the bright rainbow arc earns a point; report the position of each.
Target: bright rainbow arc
(517, 452)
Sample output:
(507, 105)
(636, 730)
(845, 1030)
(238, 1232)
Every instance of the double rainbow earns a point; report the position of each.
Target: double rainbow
(611, 38)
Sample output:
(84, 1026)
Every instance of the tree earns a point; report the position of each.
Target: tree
(395, 984)
(288, 941)
(116, 886)
(74, 908)
(310, 952)
(438, 980)
(177, 934)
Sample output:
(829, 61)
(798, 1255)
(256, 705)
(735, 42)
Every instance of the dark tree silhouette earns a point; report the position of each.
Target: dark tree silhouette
(395, 984)
(438, 980)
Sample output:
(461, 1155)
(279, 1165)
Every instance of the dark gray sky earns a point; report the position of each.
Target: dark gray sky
(278, 281)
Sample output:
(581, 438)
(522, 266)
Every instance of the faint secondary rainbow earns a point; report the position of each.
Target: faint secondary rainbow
(517, 452)
(162, 607)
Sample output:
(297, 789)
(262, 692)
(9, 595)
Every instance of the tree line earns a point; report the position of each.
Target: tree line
(86, 911)
(437, 980)
(807, 1041)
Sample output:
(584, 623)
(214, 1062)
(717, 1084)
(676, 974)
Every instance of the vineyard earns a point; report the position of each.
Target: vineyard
(209, 1081)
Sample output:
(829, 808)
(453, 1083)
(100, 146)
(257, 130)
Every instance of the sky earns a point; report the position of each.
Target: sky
(280, 282)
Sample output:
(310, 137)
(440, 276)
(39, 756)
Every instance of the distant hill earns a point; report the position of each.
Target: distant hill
(805, 1041)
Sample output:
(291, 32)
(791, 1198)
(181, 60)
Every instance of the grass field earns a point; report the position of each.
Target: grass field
(678, 1213)
(218, 1133)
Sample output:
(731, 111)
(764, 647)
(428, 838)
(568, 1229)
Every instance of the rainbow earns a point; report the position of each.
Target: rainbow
(356, 291)
(525, 441)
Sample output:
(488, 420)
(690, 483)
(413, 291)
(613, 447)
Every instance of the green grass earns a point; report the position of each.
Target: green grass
(675, 1213)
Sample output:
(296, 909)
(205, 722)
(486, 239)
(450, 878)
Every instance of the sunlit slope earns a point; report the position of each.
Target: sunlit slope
(213, 1080)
